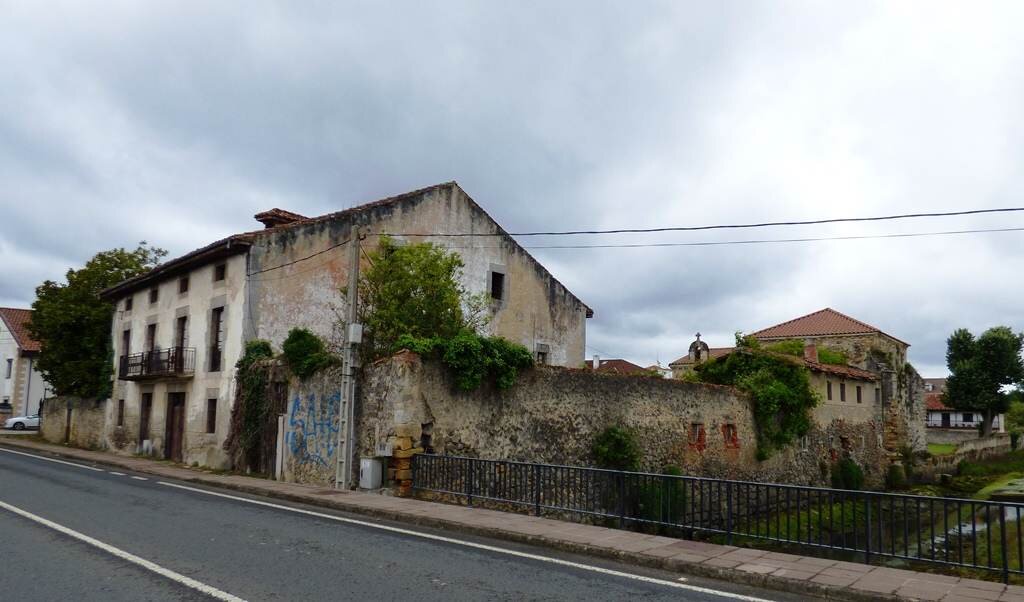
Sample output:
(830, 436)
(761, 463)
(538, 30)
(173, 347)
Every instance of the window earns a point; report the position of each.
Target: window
(220, 272)
(128, 304)
(120, 412)
(181, 332)
(145, 408)
(126, 341)
(968, 417)
(211, 415)
(10, 366)
(6, 401)
(697, 439)
(216, 338)
(154, 294)
(497, 286)
(859, 398)
(828, 389)
(183, 285)
(150, 337)
(542, 358)
(731, 435)
(878, 395)
(842, 391)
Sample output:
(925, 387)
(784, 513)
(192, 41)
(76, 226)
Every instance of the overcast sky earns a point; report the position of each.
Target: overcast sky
(176, 122)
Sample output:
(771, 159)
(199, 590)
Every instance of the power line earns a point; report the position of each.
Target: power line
(730, 226)
(711, 243)
(284, 265)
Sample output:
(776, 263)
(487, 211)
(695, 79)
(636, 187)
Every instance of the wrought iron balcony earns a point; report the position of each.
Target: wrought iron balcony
(160, 363)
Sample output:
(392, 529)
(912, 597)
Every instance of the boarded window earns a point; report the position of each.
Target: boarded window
(211, 415)
(120, 412)
(697, 438)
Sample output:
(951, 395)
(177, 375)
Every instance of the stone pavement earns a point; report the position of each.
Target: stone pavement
(814, 576)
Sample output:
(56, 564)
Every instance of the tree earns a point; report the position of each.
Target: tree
(981, 369)
(72, 324)
(414, 291)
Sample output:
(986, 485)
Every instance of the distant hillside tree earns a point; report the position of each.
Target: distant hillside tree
(981, 371)
(73, 325)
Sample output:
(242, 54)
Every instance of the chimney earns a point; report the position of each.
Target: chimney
(597, 362)
(278, 217)
(810, 351)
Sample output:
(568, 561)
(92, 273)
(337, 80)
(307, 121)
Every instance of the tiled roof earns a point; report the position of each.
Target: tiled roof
(713, 352)
(617, 366)
(933, 401)
(838, 370)
(823, 322)
(17, 321)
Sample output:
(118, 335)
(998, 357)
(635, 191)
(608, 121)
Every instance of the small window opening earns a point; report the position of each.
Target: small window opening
(859, 397)
(183, 285)
(731, 435)
(828, 389)
(497, 286)
(128, 304)
(120, 412)
(220, 271)
(842, 391)
(211, 415)
(154, 294)
(542, 358)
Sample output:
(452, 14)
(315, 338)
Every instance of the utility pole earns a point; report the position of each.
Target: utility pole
(353, 337)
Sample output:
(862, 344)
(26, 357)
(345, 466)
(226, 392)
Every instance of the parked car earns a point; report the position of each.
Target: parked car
(20, 423)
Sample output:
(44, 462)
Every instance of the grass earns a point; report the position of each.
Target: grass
(942, 449)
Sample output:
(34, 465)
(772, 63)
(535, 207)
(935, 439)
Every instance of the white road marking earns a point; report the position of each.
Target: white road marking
(11, 451)
(159, 570)
(140, 478)
(480, 546)
(120, 474)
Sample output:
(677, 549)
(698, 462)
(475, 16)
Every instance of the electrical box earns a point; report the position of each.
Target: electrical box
(383, 449)
(355, 334)
(370, 471)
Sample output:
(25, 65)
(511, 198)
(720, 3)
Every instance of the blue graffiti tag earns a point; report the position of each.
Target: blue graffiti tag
(312, 433)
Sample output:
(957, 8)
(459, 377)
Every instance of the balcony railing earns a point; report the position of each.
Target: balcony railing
(159, 363)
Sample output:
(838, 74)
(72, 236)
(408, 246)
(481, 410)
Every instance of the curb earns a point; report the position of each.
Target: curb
(827, 592)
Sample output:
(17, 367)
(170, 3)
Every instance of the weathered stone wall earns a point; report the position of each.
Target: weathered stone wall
(88, 422)
(553, 415)
(958, 435)
(536, 310)
(311, 428)
(978, 448)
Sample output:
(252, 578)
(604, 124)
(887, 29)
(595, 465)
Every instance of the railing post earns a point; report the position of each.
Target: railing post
(867, 523)
(728, 512)
(412, 467)
(536, 489)
(1002, 539)
(469, 483)
(622, 499)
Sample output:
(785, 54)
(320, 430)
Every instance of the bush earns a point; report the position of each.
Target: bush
(305, 353)
(846, 474)
(896, 478)
(828, 356)
(616, 448)
(791, 347)
(473, 358)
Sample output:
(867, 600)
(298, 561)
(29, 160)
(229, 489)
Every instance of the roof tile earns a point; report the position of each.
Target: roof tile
(17, 321)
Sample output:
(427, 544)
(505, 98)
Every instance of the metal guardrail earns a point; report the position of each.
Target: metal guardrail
(974, 534)
(173, 361)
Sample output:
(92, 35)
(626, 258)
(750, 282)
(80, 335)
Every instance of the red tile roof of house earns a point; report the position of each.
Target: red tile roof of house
(617, 366)
(824, 322)
(933, 401)
(17, 321)
(838, 370)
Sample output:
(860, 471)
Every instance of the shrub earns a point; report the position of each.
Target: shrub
(828, 356)
(895, 478)
(305, 353)
(472, 358)
(791, 347)
(846, 474)
(616, 448)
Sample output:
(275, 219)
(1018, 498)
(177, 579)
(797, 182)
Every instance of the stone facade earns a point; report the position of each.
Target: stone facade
(88, 419)
(553, 415)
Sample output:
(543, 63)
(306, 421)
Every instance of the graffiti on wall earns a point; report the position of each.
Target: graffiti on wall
(312, 430)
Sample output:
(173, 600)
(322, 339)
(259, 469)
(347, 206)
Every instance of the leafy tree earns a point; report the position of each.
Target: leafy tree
(414, 290)
(981, 369)
(72, 324)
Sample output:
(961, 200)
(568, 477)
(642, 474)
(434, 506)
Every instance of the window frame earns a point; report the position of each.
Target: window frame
(183, 285)
(216, 339)
(842, 391)
(220, 272)
(9, 369)
(211, 416)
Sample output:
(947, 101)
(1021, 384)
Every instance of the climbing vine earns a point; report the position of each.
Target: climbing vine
(256, 404)
(472, 358)
(779, 388)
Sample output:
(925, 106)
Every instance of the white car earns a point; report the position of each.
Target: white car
(20, 423)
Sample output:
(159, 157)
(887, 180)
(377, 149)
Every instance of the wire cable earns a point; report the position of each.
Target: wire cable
(836, 220)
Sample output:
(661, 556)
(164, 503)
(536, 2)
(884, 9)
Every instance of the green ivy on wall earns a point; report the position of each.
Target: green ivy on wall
(473, 358)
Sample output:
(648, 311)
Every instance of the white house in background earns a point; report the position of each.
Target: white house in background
(22, 386)
(945, 424)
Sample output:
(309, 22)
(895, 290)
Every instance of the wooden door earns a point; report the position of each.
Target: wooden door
(173, 447)
(145, 409)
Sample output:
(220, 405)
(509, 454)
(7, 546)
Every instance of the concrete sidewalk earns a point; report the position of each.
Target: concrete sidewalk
(785, 572)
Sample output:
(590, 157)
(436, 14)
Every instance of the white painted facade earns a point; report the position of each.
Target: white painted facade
(197, 305)
(22, 386)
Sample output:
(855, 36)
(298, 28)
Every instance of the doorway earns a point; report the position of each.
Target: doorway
(174, 439)
(145, 409)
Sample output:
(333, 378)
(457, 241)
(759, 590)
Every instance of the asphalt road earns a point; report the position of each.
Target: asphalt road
(256, 552)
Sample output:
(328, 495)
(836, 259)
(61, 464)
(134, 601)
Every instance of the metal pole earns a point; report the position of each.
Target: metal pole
(346, 411)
